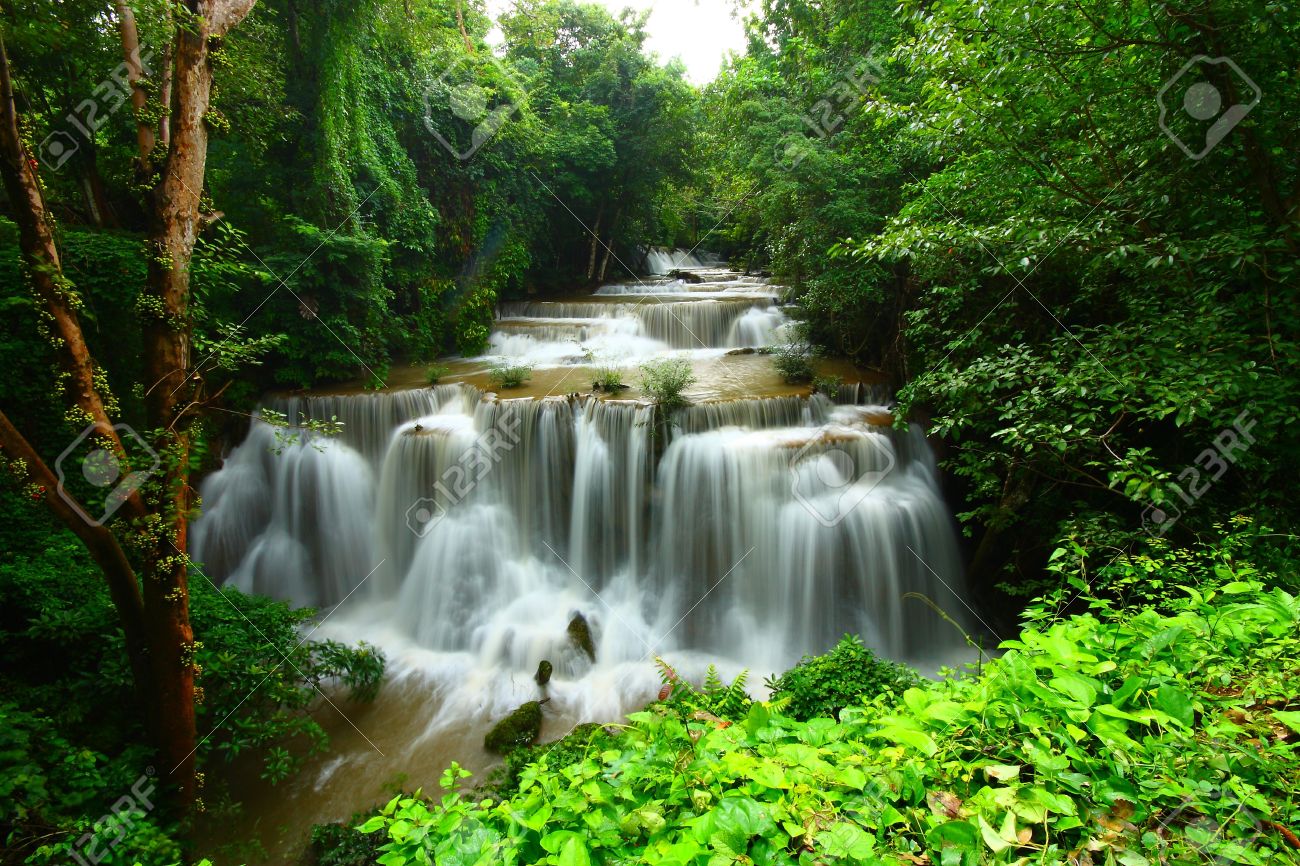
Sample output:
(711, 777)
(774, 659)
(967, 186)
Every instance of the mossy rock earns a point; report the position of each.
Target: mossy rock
(580, 634)
(520, 728)
(543, 675)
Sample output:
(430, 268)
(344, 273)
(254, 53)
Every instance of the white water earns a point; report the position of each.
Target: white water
(633, 322)
(462, 533)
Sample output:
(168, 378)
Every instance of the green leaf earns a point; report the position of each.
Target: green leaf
(918, 740)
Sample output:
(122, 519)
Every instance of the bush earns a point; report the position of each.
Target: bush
(504, 376)
(608, 379)
(828, 385)
(821, 686)
(793, 363)
(435, 373)
(664, 381)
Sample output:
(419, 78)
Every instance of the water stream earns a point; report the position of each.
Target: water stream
(464, 531)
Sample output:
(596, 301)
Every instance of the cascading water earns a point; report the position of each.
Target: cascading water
(465, 534)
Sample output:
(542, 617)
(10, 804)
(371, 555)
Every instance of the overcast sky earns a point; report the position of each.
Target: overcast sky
(700, 32)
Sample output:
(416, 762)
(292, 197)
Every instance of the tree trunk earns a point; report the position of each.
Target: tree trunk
(604, 261)
(41, 255)
(595, 244)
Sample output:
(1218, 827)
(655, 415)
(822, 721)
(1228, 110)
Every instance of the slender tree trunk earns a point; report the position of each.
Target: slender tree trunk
(130, 38)
(595, 243)
(94, 190)
(604, 261)
(41, 258)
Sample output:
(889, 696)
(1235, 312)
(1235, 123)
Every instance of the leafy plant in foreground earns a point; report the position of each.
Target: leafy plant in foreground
(822, 686)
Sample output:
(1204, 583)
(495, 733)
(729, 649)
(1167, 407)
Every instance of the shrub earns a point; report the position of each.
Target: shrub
(435, 373)
(821, 686)
(792, 362)
(505, 376)
(828, 385)
(608, 379)
(664, 381)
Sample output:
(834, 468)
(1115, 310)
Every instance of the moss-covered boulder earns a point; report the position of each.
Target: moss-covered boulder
(543, 675)
(580, 634)
(520, 728)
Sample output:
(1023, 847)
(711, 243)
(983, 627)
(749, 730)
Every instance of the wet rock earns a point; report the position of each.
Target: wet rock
(543, 675)
(746, 351)
(580, 633)
(686, 276)
(520, 728)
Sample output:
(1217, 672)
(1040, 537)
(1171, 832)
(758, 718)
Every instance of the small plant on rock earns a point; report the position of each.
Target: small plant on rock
(509, 376)
(665, 381)
(793, 363)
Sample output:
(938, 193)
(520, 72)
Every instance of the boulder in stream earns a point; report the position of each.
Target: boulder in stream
(686, 276)
(543, 675)
(580, 634)
(520, 728)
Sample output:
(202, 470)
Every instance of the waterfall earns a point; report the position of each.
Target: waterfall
(465, 533)
(661, 261)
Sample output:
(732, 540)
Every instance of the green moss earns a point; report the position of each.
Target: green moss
(520, 728)
(580, 634)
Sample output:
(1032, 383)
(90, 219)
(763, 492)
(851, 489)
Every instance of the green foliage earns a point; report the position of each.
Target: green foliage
(665, 381)
(74, 746)
(583, 741)
(339, 845)
(849, 675)
(792, 362)
(435, 372)
(608, 379)
(828, 386)
(520, 728)
(714, 697)
(509, 376)
(1154, 736)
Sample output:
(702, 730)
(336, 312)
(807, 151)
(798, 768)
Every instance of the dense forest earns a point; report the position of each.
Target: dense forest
(1056, 245)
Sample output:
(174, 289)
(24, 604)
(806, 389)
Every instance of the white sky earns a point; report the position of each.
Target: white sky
(701, 32)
